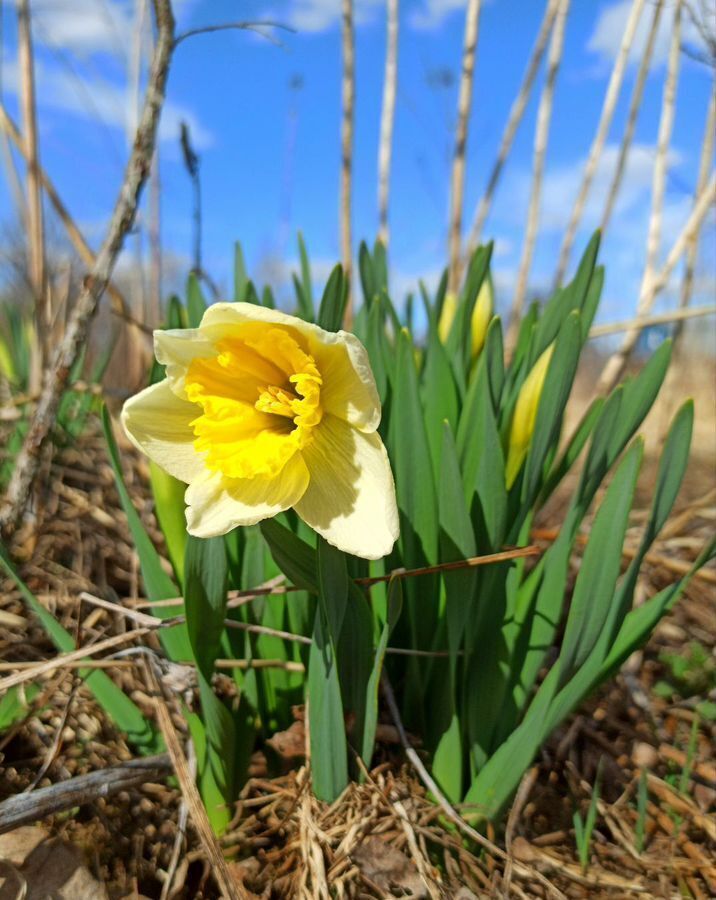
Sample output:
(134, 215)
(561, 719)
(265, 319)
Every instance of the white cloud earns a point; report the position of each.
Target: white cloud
(95, 98)
(608, 32)
(431, 13)
(87, 27)
(561, 184)
(320, 15)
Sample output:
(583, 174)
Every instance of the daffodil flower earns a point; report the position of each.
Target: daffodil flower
(261, 412)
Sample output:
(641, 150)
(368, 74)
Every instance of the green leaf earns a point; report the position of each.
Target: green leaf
(15, 704)
(295, 558)
(598, 573)
(306, 286)
(325, 710)
(195, 302)
(333, 302)
(394, 608)
(205, 603)
(241, 278)
(168, 493)
(125, 714)
(440, 396)
(157, 584)
(571, 453)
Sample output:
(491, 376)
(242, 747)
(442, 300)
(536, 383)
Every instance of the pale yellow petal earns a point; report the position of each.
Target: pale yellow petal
(350, 500)
(524, 417)
(216, 504)
(348, 389)
(176, 349)
(157, 422)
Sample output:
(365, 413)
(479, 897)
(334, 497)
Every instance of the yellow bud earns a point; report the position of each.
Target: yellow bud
(481, 315)
(447, 316)
(525, 416)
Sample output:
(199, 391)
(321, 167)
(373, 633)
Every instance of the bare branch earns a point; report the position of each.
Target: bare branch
(516, 112)
(464, 102)
(387, 119)
(78, 326)
(605, 120)
(237, 26)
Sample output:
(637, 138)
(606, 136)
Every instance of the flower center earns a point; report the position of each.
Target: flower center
(260, 399)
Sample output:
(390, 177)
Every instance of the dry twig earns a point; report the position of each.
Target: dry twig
(595, 152)
(387, 119)
(348, 99)
(457, 181)
(516, 112)
(544, 117)
(75, 336)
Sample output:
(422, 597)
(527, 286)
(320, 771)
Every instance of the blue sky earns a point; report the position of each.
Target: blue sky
(270, 152)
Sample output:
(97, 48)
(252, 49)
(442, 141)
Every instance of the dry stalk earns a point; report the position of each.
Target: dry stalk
(544, 116)
(676, 315)
(230, 888)
(617, 362)
(457, 181)
(605, 120)
(519, 869)
(634, 107)
(35, 225)
(387, 119)
(348, 100)
(75, 336)
(77, 240)
(707, 152)
(516, 112)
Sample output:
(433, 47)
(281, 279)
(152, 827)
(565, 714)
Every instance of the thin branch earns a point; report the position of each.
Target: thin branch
(80, 321)
(238, 598)
(634, 107)
(615, 364)
(347, 126)
(605, 120)
(237, 26)
(707, 150)
(464, 103)
(387, 119)
(544, 117)
(676, 315)
(516, 112)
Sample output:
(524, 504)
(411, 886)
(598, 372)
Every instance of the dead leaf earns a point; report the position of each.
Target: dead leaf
(388, 868)
(48, 867)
